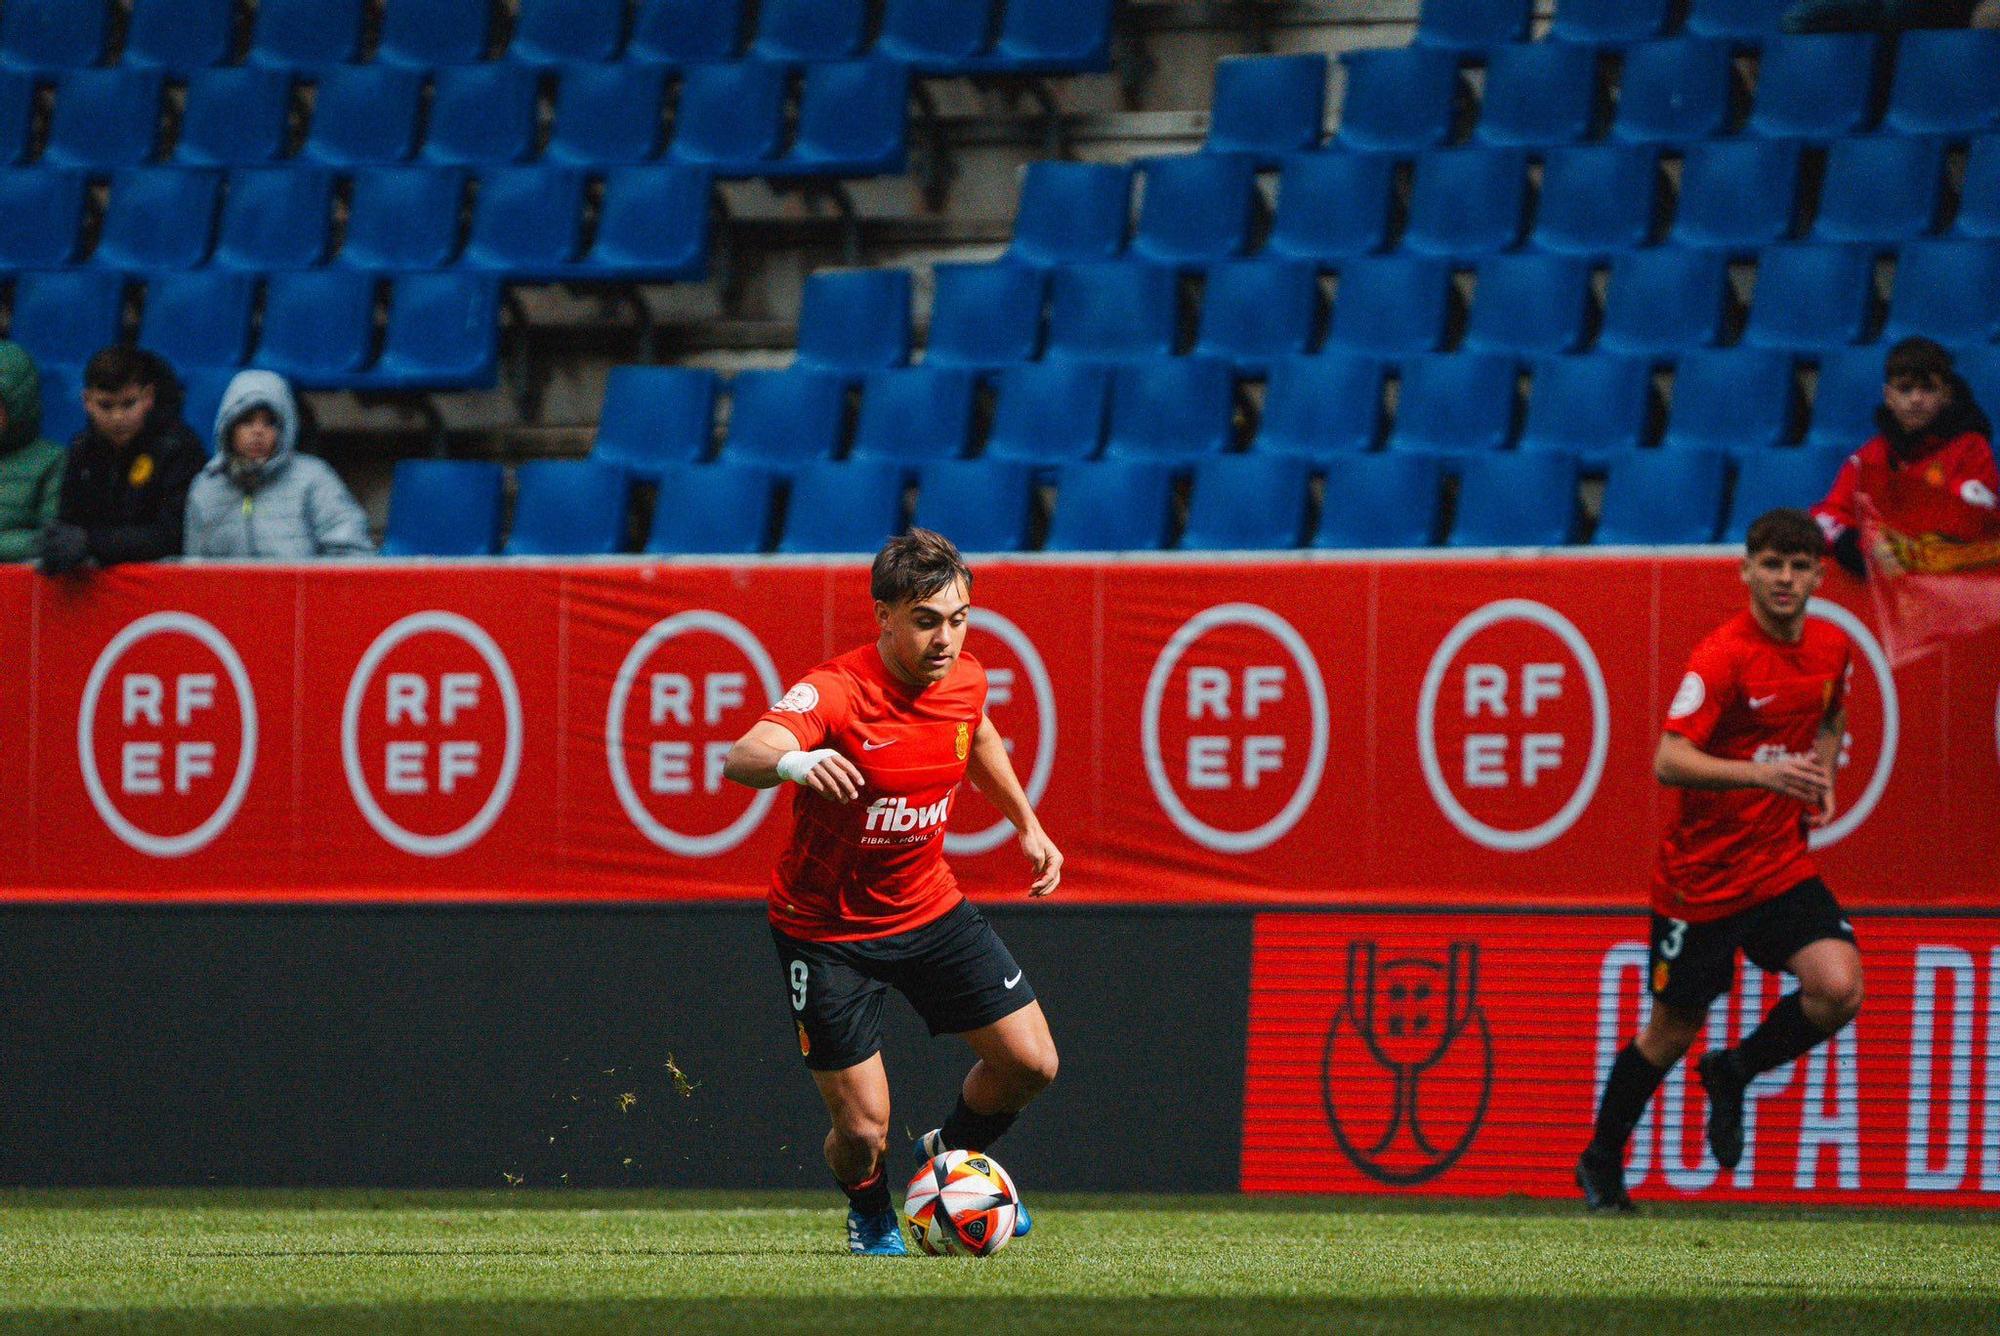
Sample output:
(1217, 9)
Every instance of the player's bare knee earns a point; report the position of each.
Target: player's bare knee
(862, 1134)
(1838, 999)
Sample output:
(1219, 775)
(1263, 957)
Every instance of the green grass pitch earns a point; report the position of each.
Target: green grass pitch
(558, 1261)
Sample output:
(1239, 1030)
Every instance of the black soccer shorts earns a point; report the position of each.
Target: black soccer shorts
(955, 971)
(1695, 963)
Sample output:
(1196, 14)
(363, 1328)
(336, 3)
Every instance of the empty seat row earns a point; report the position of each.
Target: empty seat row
(1479, 26)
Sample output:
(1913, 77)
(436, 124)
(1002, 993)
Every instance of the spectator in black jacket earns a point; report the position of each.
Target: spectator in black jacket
(125, 488)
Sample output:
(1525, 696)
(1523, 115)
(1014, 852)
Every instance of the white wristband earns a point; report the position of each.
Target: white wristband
(795, 765)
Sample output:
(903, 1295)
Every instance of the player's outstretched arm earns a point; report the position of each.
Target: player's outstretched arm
(768, 755)
(1681, 764)
(992, 773)
(1832, 731)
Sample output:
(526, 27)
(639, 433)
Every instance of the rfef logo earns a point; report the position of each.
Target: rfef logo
(1874, 724)
(1021, 702)
(166, 734)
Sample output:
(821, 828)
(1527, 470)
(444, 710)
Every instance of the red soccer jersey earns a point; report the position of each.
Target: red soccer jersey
(875, 865)
(1746, 697)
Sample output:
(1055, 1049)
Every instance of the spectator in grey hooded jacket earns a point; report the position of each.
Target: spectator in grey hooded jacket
(258, 497)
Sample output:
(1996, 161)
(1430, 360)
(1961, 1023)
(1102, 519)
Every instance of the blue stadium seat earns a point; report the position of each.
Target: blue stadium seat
(1588, 408)
(1379, 501)
(403, 218)
(1071, 212)
(1195, 209)
(41, 217)
(159, 218)
(1846, 394)
(17, 116)
(62, 401)
(1114, 505)
(1884, 189)
(1114, 311)
(66, 317)
(1390, 306)
(1320, 407)
(1467, 202)
(915, 414)
(1246, 502)
(655, 416)
(179, 36)
(52, 34)
(853, 321)
(1946, 290)
(803, 30)
(443, 333)
(318, 326)
(1047, 413)
(1538, 95)
(1255, 311)
(444, 508)
(1455, 404)
(1515, 500)
(234, 117)
(1662, 496)
(677, 33)
(104, 119)
(559, 32)
(1791, 479)
(306, 34)
(568, 508)
(653, 224)
(1268, 106)
(1811, 297)
(275, 218)
(1734, 401)
(607, 114)
(427, 34)
(1331, 206)
(203, 389)
(710, 510)
(1053, 37)
(1664, 301)
(1597, 199)
(364, 114)
(1944, 83)
(198, 319)
(731, 117)
(854, 120)
(936, 37)
(985, 316)
(852, 507)
(1610, 22)
(481, 115)
(1816, 86)
(1748, 21)
(783, 419)
(1979, 198)
(1170, 409)
(1529, 304)
(1737, 194)
(1673, 92)
(1472, 26)
(527, 222)
(1399, 99)
(982, 505)
(1980, 368)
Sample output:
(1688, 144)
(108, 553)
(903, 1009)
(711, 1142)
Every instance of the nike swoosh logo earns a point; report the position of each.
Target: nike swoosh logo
(1759, 702)
(1009, 983)
(878, 746)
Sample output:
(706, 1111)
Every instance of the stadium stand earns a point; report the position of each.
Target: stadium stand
(275, 218)
(1597, 199)
(1979, 194)
(1673, 92)
(1467, 202)
(65, 317)
(1331, 206)
(1071, 212)
(364, 115)
(1112, 311)
(1662, 496)
(1811, 297)
(710, 510)
(1255, 311)
(783, 419)
(41, 217)
(425, 34)
(915, 415)
(655, 417)
(17, 117)
(548, 33)
(1528, 304)
(1195, 209)
(1847, 391)
(854, 321)
(1948, 290)
(568, 508)
(1114, 505)
(986, 504)
(1379, 501)
(1944, 83)
(306, 34)
(1752, 22)
(526, 222)
(444, 508)
(1398, 99)
(1390, 305)
(1246, 501)
(234, 117)
(608, 115)
(1455, 403)
(1321, 407)
(403, 218)
(1538, 95)
(158, 218)
(52, 34)
(985, 316)
(803, 30)
(1884, 189)
(1815, 86)
(199, 319)
(1049, 413)
(848, 507)
(481, 115)
(104, 119)
(1737, 194)
(678, 33)
(318, 326)
(1268, 106)
(1589, 408)
(1170, 409)
(1663, 301)
(1610, 22)
(1515, 500)
(1472, 26)
(1733, 401)
(1770, 479)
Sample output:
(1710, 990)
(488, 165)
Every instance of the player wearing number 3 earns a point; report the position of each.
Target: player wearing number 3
(877, 741)
(1751, 744)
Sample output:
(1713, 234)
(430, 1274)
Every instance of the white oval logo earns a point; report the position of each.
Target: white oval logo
(1010, 635)
(1864, 640)
(801, 699)
(1693, 691)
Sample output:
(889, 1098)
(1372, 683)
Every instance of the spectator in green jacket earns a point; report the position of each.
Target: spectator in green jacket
(30, 467)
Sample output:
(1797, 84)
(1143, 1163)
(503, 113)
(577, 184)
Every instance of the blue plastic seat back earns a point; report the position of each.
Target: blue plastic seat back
(53, 34)
(67, 317)
(982, 505)
(681, 32)
(854, 120)
(425, 34)
(1889, 188)
(1113, 311)
(1398, 99)
(1846, 393)
(203, 389)
(1113, 505)
(1662, 496)
(1665, 300)
(1816, 86)
(526, 221)
(1948, 291)
(1467, 202)
(180, 36)
(1589, 407)
(915, 414)
(654, 223)
(318, 326)
(482, 114)
(1171, 409)
(1980, 368)
(936, 36)
(403, 218)
(568, 507)
(783, 419)
(1515, 500)
(607, 114)
(1538, 95)
(555, 32)
(62, 401)
(364, 114)
(444, 508)
(1610, 22)
(1673, 91)
(802, 30)
(985, 316)
(855, 320)
(1054, 37)
(1770, 480)
(1979, 198)
(1246, 502)
(1072, 212)
(1268, 106)
(1048, 413)
(104, 119)
(1255, 311)
(1391, 305)
(159, 218)
(306, 34)
(1319, 407)
(1735, 401)
(1737, 194)
(275, 218)
(852, 507)
(1944, 82)
(1472, 26)
(1331, 206)
(710, 510)
(654, 416)
(198, 319)
(234, 117)
(41, 217)
(1529, 304)
(443, 333)
(1749, 21)
(17, 116)
(1195, 209)
(1810, 297)
(1455, 403)
(1597, 199)
(1379, 501)
(731, 116)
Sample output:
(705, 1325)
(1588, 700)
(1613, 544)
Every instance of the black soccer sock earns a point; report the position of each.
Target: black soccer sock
(1786, 1033)
(871, 1195)
(966, 1130)
(1632, 1082)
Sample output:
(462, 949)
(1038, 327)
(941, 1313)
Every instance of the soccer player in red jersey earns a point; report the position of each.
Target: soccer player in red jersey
(1750, 745)
(862, 900)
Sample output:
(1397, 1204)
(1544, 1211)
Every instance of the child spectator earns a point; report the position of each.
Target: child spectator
(259, 497)
(30, 466)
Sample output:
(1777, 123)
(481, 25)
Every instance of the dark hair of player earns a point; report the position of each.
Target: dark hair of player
(1917, 359)
(1785, 532)
(916, 565)
(119, 365)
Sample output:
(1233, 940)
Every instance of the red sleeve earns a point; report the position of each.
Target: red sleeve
(1707, 688)
(818, 705)
(1973, 477)
(1836, 512)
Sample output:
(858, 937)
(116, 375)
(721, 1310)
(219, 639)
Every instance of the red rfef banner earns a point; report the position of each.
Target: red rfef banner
(1462, 1053)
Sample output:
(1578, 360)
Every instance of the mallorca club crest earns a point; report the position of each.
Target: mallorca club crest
(1408, 1068)
(961, 745)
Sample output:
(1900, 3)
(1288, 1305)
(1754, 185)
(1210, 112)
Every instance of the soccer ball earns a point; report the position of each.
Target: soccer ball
(961, 1203)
